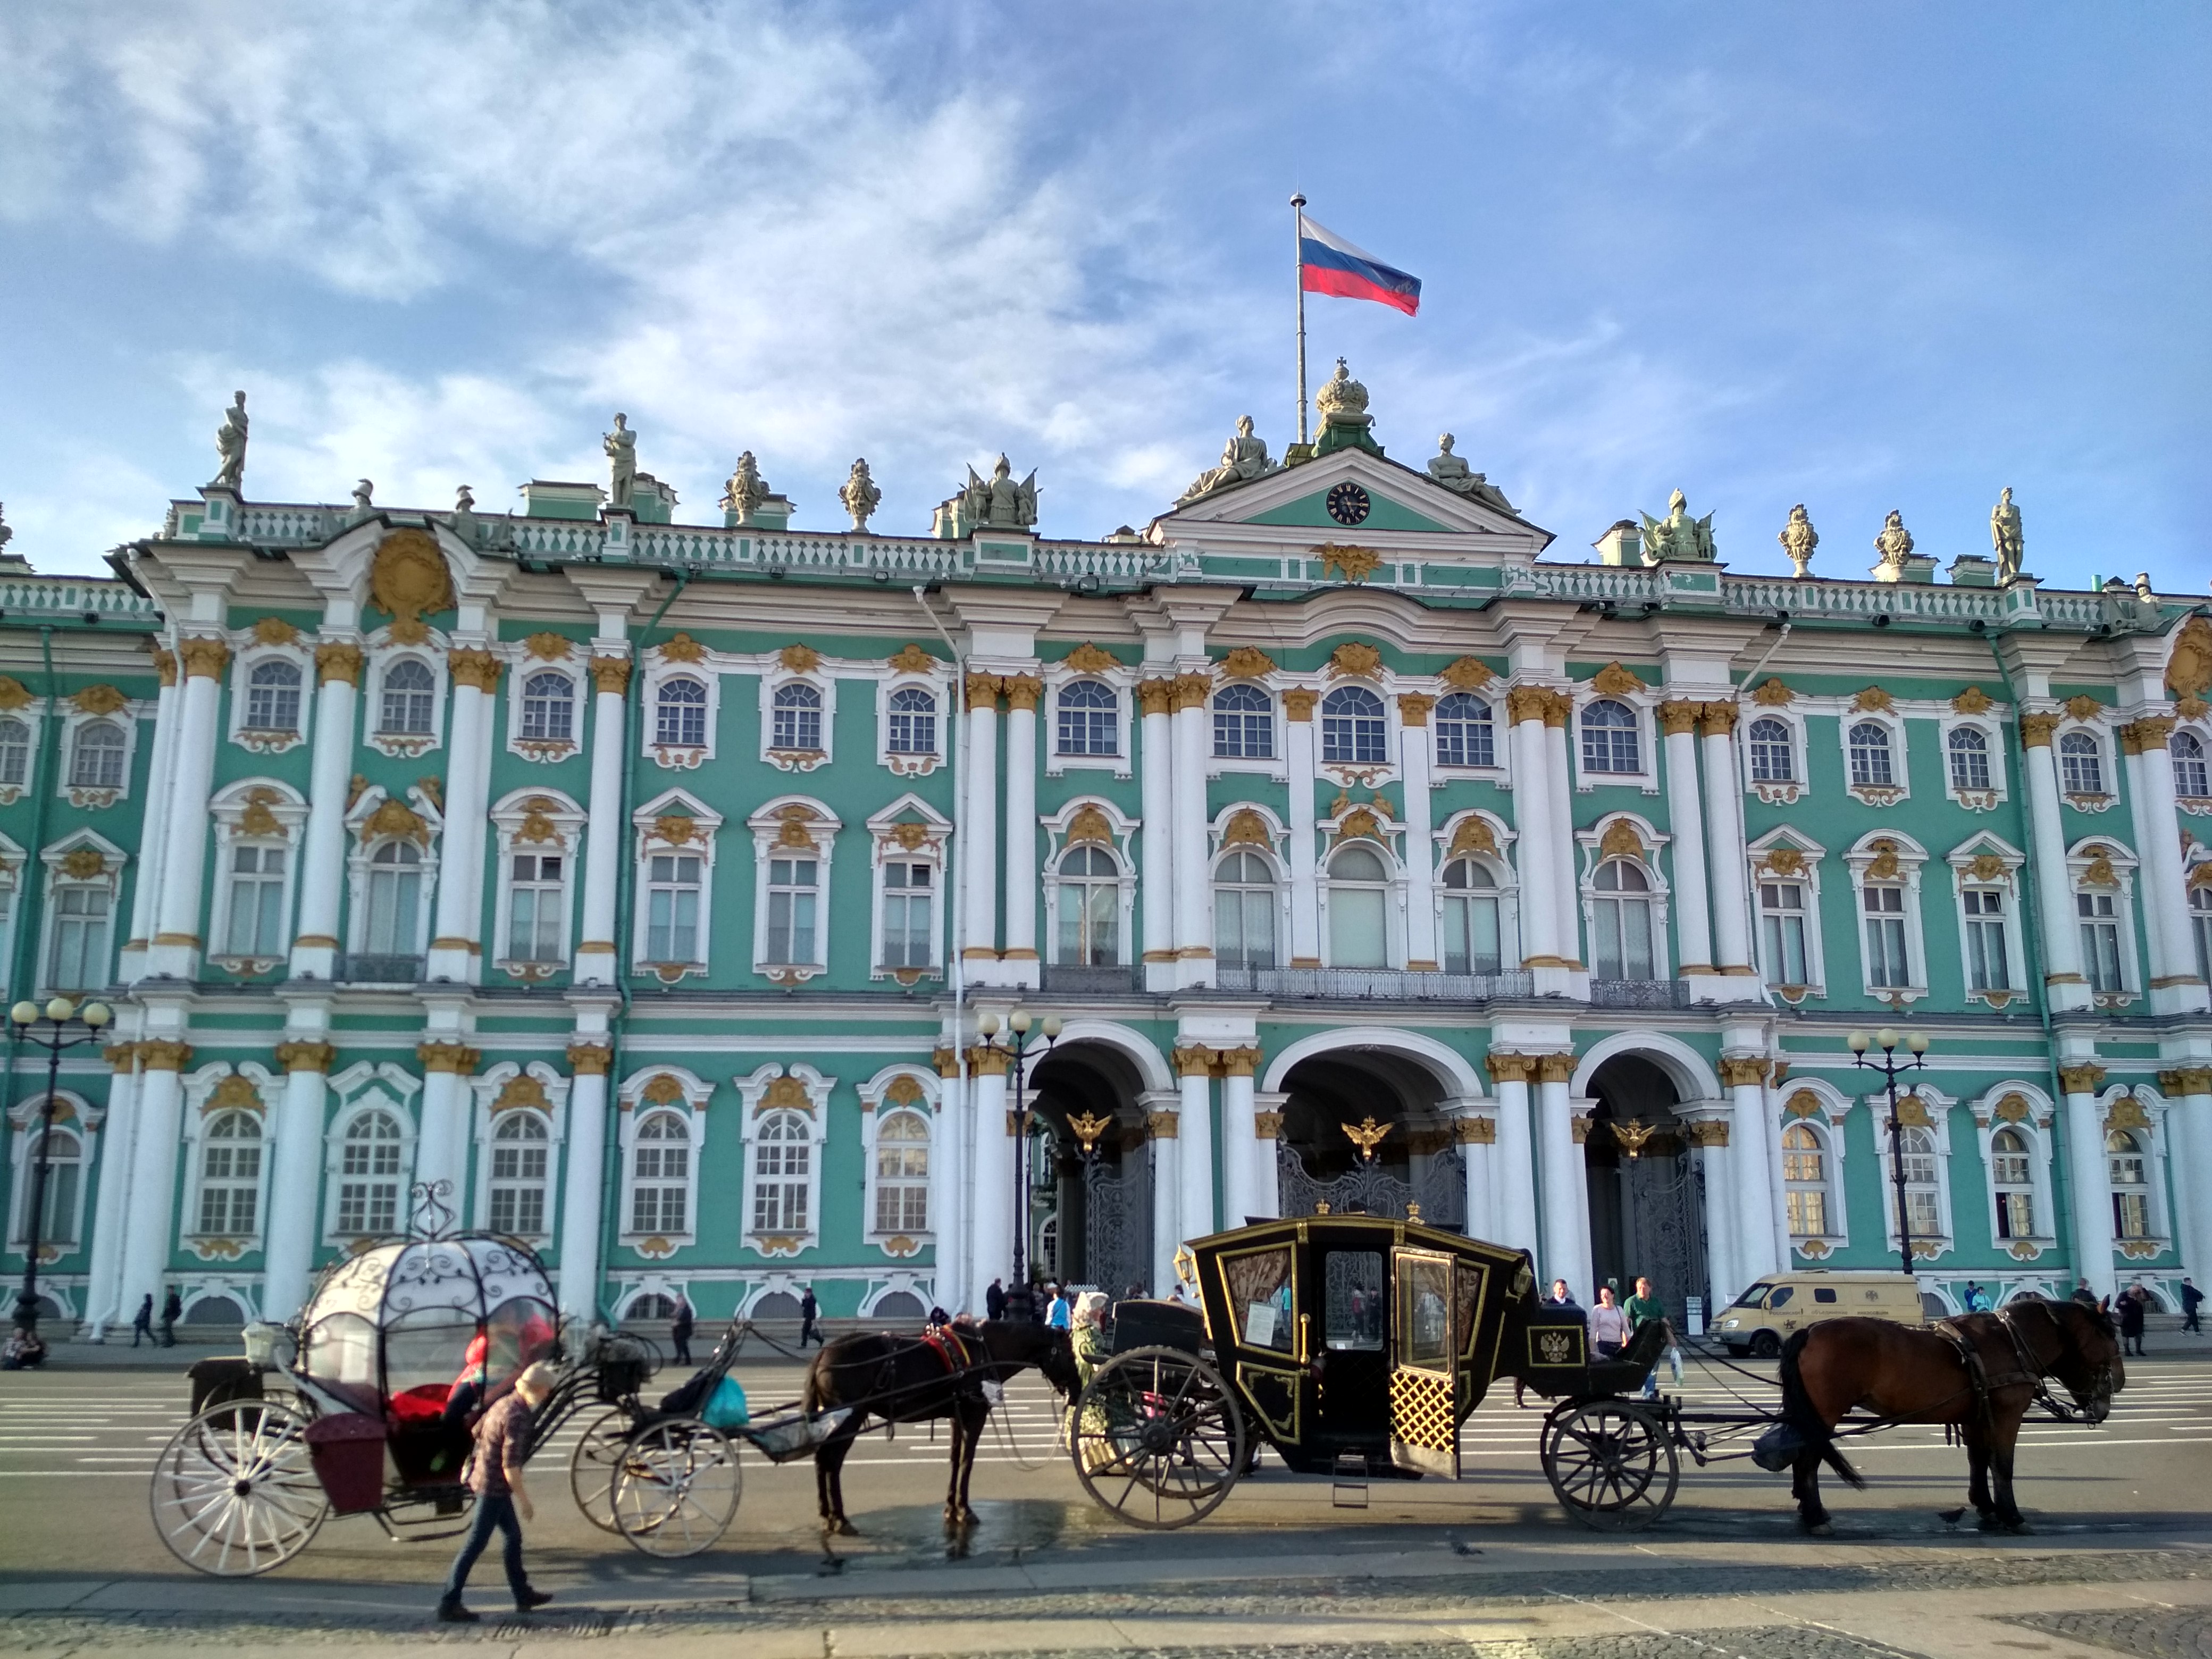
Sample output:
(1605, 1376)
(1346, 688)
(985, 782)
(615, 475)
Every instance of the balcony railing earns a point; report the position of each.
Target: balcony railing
(1639, 994)
(1373, 984)
(1073, 979)
(362, 968)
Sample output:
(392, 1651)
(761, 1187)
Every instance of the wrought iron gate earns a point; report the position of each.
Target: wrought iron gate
(1663, 1226)
(1440, 1188)
(1117, 1223)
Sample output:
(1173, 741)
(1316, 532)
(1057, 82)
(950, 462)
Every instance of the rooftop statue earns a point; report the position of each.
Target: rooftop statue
(1678, 536)
(363, 508)
(2005, 536)
(464, 514)
(6, 533)
(1798, 539)
(860, 496)
(621, 445)
(230, 445)
(998, 500)
(1244, 457)
(1895, 542)
(1453, 474)
(745, 490)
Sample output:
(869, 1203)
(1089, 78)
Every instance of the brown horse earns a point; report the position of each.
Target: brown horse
(1979, 1372)
(906, 1379)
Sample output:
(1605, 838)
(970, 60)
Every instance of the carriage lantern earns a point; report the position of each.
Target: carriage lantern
(1916, 1044)
(59, 1015)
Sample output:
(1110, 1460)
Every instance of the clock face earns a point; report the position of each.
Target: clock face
(1348, 504)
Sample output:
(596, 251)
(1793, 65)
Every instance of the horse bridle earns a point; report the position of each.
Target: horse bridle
(2100, 1375)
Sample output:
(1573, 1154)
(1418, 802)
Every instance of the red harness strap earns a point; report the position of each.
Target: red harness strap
(948, 1347)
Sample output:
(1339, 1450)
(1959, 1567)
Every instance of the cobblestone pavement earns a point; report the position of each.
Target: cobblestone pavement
(2147, 1632)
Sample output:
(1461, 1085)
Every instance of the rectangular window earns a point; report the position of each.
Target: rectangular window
(1987, 968)
(671, 909)
(906, 898)
(1782, 922)
(1808, 1213)
(79, 948)
(780, 1187)
(2100, 941)
(790, 899)
(1885, 936)
(2130, 1215)
(535, 910)
(2016, 1215)
(257, 902)
(368, 1206)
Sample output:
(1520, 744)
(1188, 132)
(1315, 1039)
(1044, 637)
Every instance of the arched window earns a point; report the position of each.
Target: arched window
(1970, 759)
(914, 721)
(1773, 756)
(65, 1169)
(660, 1176)
(671, 906)
(1620, 923)
(549, 709)
(1989, 967)
(902, 1173)
(1089, 908)
(1466, 733)
(2081, 764)
(255, 924)
(537, 903)
(2200, 922)
(784, 1157)
(1917, 1147)
(519, 1149)
(1883, 903)
(1473, 943)
(395, 900)
(368, 1176)
(793, 892)
(1782, 922)
(230, 1175)
(82, 914)
(1358, 909)
(15, 750)
(96, 761)
(1353, 727)
(2099, 913)
(1870, 756)
(272, 697)
(679, 719)
(2012, 1172)
(410, 694)
(1609, 738)
(1089, 719)
(797, 718)
(651, 1305)
(2130, 1171)
(2189, 780)
(1244, 911)
(1244, 724)
(1805, 1181)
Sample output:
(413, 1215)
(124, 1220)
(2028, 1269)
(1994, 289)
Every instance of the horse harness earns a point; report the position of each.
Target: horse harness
(2029, 1373)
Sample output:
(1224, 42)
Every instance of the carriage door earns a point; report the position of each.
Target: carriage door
(1425, 1342)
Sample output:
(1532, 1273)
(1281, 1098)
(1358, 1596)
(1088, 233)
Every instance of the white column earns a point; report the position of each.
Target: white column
(1566, 888)
(978, 829)
(322, 864)
(442, 1139)
(1156, 881)
(1195, 1122)
(1240, 1145)
(112, 1199)
(153, 832)
(2189, 1132)
(176, 944)
(1752, 1151)
(1193, 891)
(992, 1228)
(949, 1175)
(456, 951)
(1266, 1153)
(1724, 1272)
(1532, 811)
(1475, 1139)
(294, 1179)
(584, 1179)
(1514, 1156)
(2054, 889)
(2175, 984)
(1566, 1220)
(1022, 692)
(148, 1241)
(1685, 818)
(1413, 758)
(1305, 892)
(2090, 1183)
(599, 952)
(1165, 1131)
(1724, 836)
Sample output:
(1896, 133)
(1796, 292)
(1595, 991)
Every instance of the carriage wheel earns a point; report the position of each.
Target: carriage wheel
(234, 1493)
(676, 1487)
(591, 1467)
(1158, 1441)
(1610, 1462)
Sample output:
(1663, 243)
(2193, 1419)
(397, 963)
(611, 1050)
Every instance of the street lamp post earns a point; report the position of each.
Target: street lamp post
(1890, 1067)
(1014, 1043)
(59, 1015)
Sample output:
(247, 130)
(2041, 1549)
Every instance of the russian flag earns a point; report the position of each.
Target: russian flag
(1329, 264)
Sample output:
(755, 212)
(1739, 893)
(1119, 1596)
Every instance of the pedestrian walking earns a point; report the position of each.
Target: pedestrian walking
(809, 1312)
(142, 1323)
(2085, 1296)
(1561, 1297)
(994, 1301)
(173, 1309)
(494, 1474)
(679, 1333)
(1608, 1326)
(2192, 1300)
(1060, 1315)
(1642, 1309)
(2133, 1301)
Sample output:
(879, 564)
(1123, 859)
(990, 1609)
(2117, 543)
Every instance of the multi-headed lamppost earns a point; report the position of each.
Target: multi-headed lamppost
(1889, 1066)
(59, 1016)
(1015, 1042)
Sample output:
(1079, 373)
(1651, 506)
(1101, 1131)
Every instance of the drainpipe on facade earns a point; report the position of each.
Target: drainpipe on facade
(957, 946)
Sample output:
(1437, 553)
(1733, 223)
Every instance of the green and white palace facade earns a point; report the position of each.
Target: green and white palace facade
(649, 884)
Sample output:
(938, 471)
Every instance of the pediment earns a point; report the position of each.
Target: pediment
(1399, 501)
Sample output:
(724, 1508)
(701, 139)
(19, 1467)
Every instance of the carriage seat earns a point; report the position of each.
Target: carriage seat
(420, 1406)
(1142, 1323)
(426, 1451)
(1554, 1358)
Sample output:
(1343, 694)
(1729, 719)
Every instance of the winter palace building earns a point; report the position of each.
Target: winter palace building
(649, 884)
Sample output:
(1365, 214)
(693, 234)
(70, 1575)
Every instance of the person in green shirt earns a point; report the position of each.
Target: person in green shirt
(1641, 1309)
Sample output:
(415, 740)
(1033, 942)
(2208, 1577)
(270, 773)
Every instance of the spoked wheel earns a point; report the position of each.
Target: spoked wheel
(591, 1467)
(234, 1493)
(1158, 1442)
(1610, 1462)
(676, 1487)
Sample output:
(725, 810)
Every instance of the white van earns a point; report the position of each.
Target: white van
(1759, 1319)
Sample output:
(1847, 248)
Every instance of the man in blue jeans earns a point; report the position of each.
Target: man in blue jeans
(502, 1439)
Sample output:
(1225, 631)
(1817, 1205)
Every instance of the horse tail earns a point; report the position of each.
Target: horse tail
(1797, 1412)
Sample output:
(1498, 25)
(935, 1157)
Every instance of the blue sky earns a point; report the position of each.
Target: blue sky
(1862, 255)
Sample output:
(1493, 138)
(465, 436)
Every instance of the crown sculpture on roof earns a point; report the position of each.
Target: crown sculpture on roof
(1244, 458)
(1678, 536)
(1345, 421)
(997, 502)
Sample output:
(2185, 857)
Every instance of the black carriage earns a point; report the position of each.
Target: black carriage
(1355, 1346)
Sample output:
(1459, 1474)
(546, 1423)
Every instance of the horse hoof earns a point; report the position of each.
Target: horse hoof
(840, 1527)
(1819, 1529)
(2020, 1529)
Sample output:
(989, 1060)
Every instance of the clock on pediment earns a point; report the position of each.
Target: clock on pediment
(1349, 504)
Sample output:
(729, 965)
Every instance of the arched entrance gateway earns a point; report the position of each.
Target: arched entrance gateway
(1090, 1206)
(1328, 1153)
(1646, 1189)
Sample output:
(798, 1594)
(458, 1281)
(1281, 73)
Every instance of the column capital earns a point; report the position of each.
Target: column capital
(612, 675)
(1413, 707)
(2189, 1080)
(1023, 691)
(1710, 1132)
(165, 1054)
(340, 659)
(1266, 1125)
(1510, 1068)
(119, 1056)
(985, 1060)
(1298, 702)
(475, 668)
(1676, 717)
(2151, 731)
(1526, 702)
(164, 665)
(1194, 1061)
(456, 1057)
(1716, 719)
(946, 1062)
(982, 692)
(590, 1058)
(204, 658)
(1558, 708)
(2035, 730)
(1191, 691)
(1475, 1131)
(1155, 696)
(1554, 1068)
(306, 1056)
(2081, 1079)
(1237, 1062)
(1743, 1071)
(1162, 1125)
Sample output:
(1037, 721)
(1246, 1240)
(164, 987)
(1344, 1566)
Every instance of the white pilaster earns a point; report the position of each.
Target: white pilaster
(296, 1174)
(1266, 1151)
(2189, 1135)
(1754, 1152)
(442, 1141)
(1474, 1133)
(1305, 891)
(1022, 692)
(151, 1234)
(176, 946)
(2054, 890)
(2175, 985)
(1241, 1147)
(1194, 1121)
(1723, 826)
(145, 893)
(1566, 890)
(1413, 758)
(979, 831)
(992, 1228)
(950, 1172)
(599, 953)
(583, 1185)
(457, 949)
(112, 1199)
(1541, 872)
(1685, 818)
(1156, 881)
(2089, 1177)
(1162, 1118)
(1515, 1155)
(315, 946)
(1710, 1122)
(1193, 932)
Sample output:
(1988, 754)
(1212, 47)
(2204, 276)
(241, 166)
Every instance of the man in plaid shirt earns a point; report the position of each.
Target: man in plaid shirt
(503, 1438)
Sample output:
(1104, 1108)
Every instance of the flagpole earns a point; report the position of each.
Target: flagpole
(1298, 212)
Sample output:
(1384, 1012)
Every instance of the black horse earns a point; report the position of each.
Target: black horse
(910, 1380)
